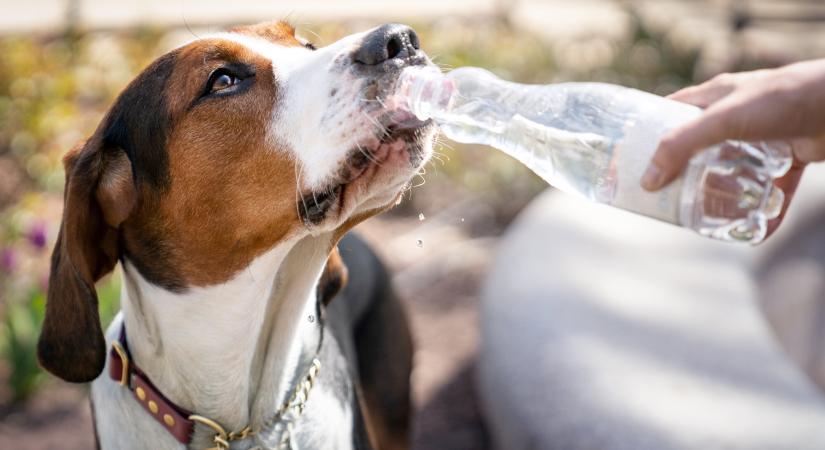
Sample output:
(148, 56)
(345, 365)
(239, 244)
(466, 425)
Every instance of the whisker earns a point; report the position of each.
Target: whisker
(381, 128)
(423, 181)
(315, 199)
(443, 155)
(311, 32)
(186, 22)
(441, 65)
(443, 143)
(298, 171)
(438, 158)
(367, 154)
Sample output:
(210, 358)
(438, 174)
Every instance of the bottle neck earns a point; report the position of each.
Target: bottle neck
(425, 91)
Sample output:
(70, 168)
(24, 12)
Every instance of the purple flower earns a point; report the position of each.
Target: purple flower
(37, 235)
(8, 260)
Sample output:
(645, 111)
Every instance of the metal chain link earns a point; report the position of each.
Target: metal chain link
(282, 422)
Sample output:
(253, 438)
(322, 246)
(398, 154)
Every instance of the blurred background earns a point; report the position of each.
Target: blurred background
(62, 62)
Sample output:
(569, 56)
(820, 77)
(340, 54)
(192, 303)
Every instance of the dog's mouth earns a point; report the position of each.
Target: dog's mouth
(392, 146)
(401, 143)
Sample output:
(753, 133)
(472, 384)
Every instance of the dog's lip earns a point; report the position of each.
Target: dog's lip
(401, 119)
(406, 129)
(366, 157)
(401, 131)
(369, 159)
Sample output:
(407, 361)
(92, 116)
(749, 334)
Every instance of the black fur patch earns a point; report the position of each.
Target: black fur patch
(151, 258)
(139, 123)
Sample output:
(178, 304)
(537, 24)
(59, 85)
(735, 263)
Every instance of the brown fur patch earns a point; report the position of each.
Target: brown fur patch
(276, 31)
(232, 192)
(351, 222)
(334, 277)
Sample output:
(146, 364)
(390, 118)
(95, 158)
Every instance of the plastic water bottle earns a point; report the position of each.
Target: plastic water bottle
(595, 140)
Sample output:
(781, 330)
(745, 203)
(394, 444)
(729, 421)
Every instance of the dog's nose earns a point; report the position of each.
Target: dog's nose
(386, 42)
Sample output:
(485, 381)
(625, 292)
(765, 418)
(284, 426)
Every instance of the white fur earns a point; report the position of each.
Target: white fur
(227, 352)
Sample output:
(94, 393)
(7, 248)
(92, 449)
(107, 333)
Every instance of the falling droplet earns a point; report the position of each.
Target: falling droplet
(462, 219)
(419, 243)
(311, 319)
(421, 217)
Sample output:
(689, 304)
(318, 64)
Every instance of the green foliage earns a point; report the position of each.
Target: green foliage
(18, 342)
(21, 328)
(650, 60)
(108, 297)
(52, 94)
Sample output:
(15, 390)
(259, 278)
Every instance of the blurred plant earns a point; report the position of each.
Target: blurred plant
(18, 344)
(20, 330)
(52, 93)
(650, 60)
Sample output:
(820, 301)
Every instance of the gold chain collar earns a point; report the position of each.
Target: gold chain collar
(296, 402)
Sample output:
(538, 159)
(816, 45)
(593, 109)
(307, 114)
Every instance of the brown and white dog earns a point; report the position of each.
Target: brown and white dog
(222, 179)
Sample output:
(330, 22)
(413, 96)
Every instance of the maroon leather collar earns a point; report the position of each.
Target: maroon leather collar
(171, 416)
(180, 422)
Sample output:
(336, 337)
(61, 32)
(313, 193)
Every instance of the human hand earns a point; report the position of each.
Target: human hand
(787, 104)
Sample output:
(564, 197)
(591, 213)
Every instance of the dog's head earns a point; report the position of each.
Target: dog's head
(217, 152)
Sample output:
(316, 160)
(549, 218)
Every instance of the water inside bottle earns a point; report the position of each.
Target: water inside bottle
(555, 143)
(595, 140)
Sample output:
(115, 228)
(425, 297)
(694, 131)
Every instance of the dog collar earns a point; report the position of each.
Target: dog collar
(174, 418)
(180, 422)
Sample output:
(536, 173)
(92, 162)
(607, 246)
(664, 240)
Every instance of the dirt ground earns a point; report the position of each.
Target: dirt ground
(438, 281)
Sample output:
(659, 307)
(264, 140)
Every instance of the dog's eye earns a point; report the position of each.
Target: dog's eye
(221, 80)
(232, 78)
(310, 46)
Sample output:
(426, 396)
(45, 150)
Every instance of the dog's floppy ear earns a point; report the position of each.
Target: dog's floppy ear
(99, 195)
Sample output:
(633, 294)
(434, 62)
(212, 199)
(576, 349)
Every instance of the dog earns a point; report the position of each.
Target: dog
(222, 179)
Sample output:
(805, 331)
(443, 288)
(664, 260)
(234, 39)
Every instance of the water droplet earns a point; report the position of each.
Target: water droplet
(311, 318)
(421, 217)
(419, 243)
(462, 219)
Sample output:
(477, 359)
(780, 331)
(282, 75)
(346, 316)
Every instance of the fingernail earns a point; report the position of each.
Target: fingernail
(652, 179)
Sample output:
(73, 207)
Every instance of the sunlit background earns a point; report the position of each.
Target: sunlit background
(62, 62)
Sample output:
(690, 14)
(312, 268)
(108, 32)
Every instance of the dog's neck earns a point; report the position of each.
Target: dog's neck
(209, 349)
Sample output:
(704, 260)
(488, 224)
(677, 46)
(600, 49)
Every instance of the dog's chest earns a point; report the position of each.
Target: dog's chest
(329, 420)
(329, 417)
(327, 423)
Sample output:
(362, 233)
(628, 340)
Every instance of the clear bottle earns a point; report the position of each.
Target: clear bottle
(595, 140)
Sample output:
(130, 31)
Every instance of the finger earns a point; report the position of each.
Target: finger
(809, 149)
(703, 95)
(679, 145)
(788, 184)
